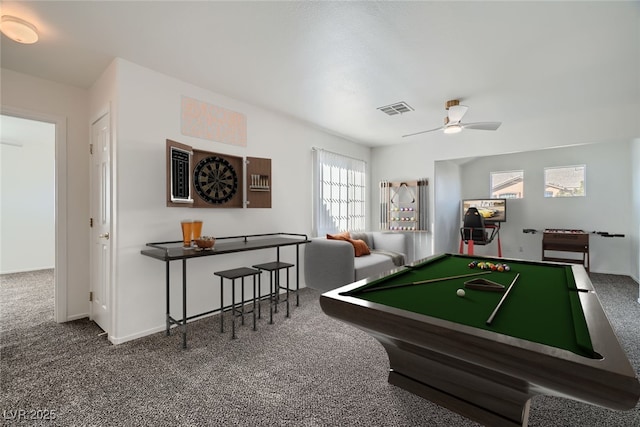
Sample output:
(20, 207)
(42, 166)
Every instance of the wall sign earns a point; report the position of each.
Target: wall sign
(208, 121)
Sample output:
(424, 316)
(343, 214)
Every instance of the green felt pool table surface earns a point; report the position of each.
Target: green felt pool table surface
(542, 307)
(550, 336)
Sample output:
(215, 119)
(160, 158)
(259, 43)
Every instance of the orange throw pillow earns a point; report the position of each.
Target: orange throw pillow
(360, 247)
(340, 236)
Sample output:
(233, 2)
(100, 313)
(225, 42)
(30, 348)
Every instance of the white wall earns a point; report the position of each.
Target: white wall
(28, 93)
(27, 205)
(447, 195)
(606, 207)
(635, 210)
(606, 163)
(148, 112)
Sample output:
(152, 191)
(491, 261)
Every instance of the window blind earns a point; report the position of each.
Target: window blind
(339, 193)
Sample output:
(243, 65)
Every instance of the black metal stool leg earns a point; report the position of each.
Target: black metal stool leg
(233, 309)
(221, 305)
(287, 292)
(254, 303)
(242, 300)
(259, 295)
(276, 294)
(271, 297)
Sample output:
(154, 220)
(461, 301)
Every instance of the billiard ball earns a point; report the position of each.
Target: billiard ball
(506, 267)
(460, 292)
(500, 268)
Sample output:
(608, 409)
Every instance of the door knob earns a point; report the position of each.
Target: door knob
(104, 236)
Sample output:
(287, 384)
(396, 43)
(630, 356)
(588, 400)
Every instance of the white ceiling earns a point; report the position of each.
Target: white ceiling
(331, 64)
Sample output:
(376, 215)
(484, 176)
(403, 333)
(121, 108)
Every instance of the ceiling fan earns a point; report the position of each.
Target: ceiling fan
(453, 123)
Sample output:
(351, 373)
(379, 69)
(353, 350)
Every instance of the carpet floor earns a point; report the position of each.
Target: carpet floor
(309, 370)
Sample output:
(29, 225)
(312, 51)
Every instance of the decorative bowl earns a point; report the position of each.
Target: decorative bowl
(205, 242)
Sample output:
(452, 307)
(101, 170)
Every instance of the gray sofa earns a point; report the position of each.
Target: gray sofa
(329, 264)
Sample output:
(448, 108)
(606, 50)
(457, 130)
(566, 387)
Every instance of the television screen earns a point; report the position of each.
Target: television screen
(492, 210)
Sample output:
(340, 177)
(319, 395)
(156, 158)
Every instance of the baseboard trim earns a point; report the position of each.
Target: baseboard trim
(77, 317)
(28, 270)
(151, 331)
(141, 334)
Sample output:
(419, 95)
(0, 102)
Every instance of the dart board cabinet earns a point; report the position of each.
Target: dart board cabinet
(258, 182)
(203, 179)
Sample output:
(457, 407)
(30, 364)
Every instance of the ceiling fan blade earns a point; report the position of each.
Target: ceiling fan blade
(482, 125)
(456, 112)
(424, 131)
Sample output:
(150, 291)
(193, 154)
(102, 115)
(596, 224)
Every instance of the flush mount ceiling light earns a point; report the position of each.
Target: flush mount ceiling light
(18, 30)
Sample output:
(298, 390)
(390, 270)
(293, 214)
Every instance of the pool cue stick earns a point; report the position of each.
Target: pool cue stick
(422, 282)
(504, 297)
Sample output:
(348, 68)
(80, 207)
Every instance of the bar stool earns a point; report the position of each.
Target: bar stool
(233, 274)
(274, 269)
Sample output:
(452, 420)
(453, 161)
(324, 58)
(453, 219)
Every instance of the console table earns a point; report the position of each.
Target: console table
(173, 251)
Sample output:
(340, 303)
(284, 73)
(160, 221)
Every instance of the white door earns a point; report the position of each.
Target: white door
(101, 222)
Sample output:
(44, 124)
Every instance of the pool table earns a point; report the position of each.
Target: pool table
(549, 336)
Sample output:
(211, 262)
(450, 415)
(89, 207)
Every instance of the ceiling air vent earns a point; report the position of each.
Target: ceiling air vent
(397, 108)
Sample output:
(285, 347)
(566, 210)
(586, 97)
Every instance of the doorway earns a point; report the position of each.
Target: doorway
(33, 193)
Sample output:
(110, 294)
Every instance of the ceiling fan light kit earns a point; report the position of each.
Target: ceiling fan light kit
(452, 129)
(453, 121)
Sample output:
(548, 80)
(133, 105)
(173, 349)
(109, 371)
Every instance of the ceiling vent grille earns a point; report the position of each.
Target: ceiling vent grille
(397, 108)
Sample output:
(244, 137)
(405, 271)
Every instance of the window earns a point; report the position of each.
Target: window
(339, 193)
(507, 185)
(565, 181)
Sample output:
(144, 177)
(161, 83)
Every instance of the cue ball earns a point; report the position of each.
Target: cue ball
(460, 292)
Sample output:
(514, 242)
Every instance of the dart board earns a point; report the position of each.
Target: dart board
(215, 180)
(203, 179)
